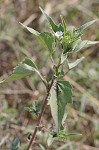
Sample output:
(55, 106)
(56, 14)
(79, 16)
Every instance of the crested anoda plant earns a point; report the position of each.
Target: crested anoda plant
(60, 43)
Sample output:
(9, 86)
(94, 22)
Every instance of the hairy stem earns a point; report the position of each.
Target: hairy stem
(43, 80)
(40, 115)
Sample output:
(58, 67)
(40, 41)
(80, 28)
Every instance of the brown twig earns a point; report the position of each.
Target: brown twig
(40, 116)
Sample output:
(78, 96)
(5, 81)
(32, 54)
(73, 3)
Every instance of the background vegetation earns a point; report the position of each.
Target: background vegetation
(17, 43)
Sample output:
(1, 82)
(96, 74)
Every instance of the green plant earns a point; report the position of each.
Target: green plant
(60, 43)
(15, 144)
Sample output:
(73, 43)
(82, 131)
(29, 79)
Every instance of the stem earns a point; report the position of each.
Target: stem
(43, 80)
(40, 115)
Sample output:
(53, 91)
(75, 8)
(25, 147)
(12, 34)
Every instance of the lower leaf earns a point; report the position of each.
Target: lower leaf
(60, 95)
(23, 69)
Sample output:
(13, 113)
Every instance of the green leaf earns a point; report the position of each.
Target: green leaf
(51, 138)
(23, 69)
(80, 45)
(80, 30)
(64, 97)
(48, 41)
(53, 25)
(74, 64)
(15, 144)
(64, 119)
(60, 95)
(34, 108)
(63, 135)
(64, 25)
(53, 102)
(31, 30)
(63, 58)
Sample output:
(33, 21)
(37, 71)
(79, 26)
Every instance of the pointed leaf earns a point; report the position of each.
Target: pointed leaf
(53, 25)
(64, 25)
(63, 58)
(80, 30)
(51, 22)
(64, 118)
(63, 135)
(53, 102)
(47, 39)
(74, 64)
(64, 97)
(59, 97)
(50, 140)
(23, 69)
(15, 144)
(80, 45)
(31, 30)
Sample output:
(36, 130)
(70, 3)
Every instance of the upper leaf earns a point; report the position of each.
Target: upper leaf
(79, 44)
(80, 30)
(53, 25)
(60, 95)
(31, 30)
(23, 69)
(64, 25)
(48, 41)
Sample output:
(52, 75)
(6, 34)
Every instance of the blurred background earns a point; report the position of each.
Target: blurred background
(16, 43)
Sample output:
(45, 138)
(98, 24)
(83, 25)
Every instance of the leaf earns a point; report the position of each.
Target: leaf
(34, 108)
(60, 95)
(64, 25)
(64, 97)
(53, 25)
(63, 135)
(15, 144)
(31, 30)
(80, 30)
(63, 58)
(64, 118)
(48, 41)
(74, 64)
(80, 45)
(53, 102)
(50, 139)
(23, 69)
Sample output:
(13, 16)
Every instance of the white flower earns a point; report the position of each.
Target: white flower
(58, 34)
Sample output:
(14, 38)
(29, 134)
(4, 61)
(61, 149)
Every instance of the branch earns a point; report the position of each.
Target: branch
(40, 115)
